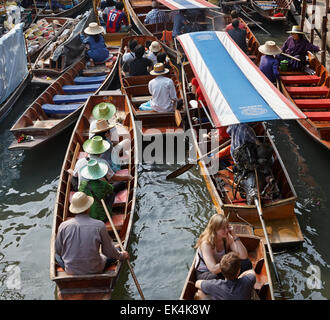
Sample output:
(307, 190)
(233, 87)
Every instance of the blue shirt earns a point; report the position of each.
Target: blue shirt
(178, 23)
(269, 66)
(155, 16)
(97, 50)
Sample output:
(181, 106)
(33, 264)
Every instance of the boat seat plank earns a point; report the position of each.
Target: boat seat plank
(308, 91)
(89, 80)
(318, 116)
(120, 198)
(71, 98)
(50, 109)
(141, 99)
(81, 88)
(60, 271)
(301, 79)
(312, 103)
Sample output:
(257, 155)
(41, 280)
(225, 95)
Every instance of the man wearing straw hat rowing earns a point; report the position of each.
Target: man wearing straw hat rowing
(83, 245)
(268, 63)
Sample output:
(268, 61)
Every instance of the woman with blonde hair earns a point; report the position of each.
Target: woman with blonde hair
(216, 240)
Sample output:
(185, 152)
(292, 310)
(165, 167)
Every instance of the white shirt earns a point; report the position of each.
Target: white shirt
(128, 56)
(163, 92)
(151, 56)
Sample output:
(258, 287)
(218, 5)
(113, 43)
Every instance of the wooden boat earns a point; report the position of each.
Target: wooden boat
(272, 10)
(278, 210)
(257, 255)
(51, 29)
(81, 7)
(61, 103)
(310, 93)
(136, 89)
(94, 286)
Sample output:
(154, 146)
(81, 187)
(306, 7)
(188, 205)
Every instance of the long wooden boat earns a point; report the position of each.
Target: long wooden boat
(310, 93)
(257, 255)
(81, 7)
(278, 209)
(136, 89)
(95, 286)
(272, 10)
(61, 103)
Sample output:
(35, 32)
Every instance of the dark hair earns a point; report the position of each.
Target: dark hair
(107, 3)
(119, 5)
(230, 265)
(234, 14)
(148, 43)
(235, 23)
(96, 37)
(139, 51)
(132, 44)
(161, 57)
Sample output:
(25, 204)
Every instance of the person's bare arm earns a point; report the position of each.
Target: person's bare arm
(208, 257)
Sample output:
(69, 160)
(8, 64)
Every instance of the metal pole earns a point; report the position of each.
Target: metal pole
(313, 20)
(303, 14)
(324, 33)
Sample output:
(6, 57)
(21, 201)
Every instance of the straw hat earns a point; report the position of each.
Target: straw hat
(296, 29)
(270, 48)
(159, 69)
(155, 46)
(93, 28)
(102, 125)
(96, 145)
(104, 110)
(94, 170)
(80, 202)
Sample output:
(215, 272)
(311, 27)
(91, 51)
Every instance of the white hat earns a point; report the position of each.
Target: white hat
(155, 46)
(102, 125)
(94, 28)
(159, 69)
(80, 202)
(296, 29)
(270, 48)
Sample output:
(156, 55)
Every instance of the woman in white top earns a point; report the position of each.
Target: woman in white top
(216, 240)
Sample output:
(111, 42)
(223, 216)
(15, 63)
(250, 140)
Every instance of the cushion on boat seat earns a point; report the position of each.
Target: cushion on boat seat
(318, 116)
(123, 172)
(69, 98)
(121, 197)
(59, 108)
(89, 80)
(118, 221)
(310, 79)
(81, 88)
(312, 103)
(308, 91)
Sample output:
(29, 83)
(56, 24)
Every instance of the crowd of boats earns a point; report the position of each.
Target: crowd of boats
(74, 89)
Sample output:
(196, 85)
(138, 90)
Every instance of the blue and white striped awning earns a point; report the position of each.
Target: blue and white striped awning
(235, 89)
(187, 4)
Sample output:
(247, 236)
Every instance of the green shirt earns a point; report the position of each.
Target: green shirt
(101, 190)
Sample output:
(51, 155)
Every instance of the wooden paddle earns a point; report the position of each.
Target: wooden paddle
(287, 55)
(188, 166)
(258, 205)
(121, 247)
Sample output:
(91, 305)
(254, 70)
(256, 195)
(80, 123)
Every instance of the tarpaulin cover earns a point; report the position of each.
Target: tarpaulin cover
(187, 4)
(235, 89)
(13, 63)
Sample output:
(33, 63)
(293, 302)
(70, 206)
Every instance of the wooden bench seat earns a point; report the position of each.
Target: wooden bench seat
(140, 99)
(118, 221)
(318, 116)
(312, 103)
(308, 91)
(301, 79)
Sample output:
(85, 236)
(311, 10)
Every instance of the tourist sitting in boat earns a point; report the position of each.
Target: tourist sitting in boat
(117, 20)
(97, 52)
(162, 90)
(139, 66)
(154, 49)
(197, 91)
(129, 54)
(179, 21)
(155, 15)
(233, 287)
(269, 63)
(238, 35)
(234, 15)
(95, 184)
(164, 59)
(147, 46)
(297, 46)
(217, 239)
(90, 249)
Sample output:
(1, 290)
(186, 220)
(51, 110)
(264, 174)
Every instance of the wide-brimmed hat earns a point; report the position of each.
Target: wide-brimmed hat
(159, 69)
(155, 46)
(270, 48)
(296, 29)
(94, 28)
(102, 125)
(104, 110)
(80, 202)
(94, 170)
(96, 145)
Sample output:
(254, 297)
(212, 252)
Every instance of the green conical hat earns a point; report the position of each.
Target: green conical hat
(104, 110)
(94, 170)
(96, 145)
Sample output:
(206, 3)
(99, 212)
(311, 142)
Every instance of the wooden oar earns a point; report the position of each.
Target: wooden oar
(287, 55)
(121, 247)
(188, 166)
(258, 205)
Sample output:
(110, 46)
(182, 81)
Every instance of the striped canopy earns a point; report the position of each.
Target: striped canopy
(235, 90)
(187, 4)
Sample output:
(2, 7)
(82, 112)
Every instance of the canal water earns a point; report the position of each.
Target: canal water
(169, 216)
